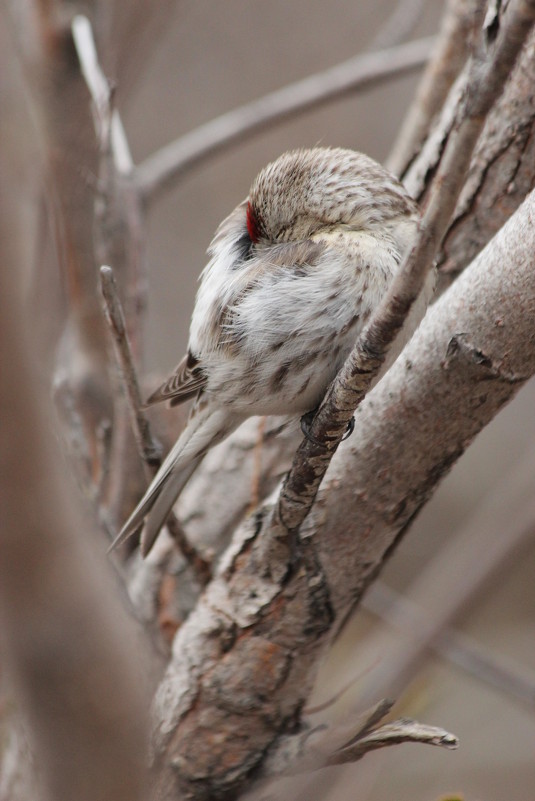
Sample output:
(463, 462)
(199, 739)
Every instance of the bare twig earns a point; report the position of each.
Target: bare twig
(159, 171)
(107, 120)
(148, 447)
(338, 744)
(119, 239)
(118, 207)
(201, 566)
(486, 79)
(403, 730)
(135, 32)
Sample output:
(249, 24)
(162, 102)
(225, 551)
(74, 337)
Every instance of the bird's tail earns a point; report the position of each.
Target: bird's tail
(204, 429)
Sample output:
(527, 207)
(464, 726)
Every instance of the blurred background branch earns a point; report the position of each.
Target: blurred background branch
(76, 664)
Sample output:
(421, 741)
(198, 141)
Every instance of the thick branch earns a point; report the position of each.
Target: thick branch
(502, 171)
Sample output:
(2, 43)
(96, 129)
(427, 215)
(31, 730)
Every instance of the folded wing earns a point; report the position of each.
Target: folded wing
(185, 382)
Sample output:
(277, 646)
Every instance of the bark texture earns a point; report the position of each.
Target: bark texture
(501, 172)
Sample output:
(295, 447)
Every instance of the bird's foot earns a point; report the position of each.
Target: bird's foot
(306, 423)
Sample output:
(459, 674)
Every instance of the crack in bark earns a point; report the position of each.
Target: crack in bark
(460, 345)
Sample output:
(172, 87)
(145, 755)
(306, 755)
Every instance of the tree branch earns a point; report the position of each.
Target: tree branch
(119, 239)
(339, 744)
(401, 22)
(410, 618)
(502, 171)
(149, 449)
(449, 55)
(135, 32)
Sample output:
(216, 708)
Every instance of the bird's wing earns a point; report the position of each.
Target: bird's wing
(184, 383)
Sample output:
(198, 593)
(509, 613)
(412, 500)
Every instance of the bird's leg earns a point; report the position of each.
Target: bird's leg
(306, 423)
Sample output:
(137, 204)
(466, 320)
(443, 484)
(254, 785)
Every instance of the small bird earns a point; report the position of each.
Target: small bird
(294, 273)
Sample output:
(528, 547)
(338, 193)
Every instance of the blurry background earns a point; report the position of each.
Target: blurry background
(214, 57)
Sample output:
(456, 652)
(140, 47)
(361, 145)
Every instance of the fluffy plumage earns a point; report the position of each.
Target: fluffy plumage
(294, 272)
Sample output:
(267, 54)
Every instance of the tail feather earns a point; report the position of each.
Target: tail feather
(204, 430)
(163, 504)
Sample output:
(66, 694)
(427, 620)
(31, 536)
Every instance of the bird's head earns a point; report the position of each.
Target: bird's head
(309, 191)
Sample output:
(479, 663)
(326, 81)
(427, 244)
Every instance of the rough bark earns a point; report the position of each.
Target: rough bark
(501, 173)
(502, 170)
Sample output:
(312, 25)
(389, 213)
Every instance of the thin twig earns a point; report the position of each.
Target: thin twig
(107, 121)
(118, 239)
(486, 80)
(403, 730)
(160, 170)
(341, 743)
(119, 216)
(148, 447)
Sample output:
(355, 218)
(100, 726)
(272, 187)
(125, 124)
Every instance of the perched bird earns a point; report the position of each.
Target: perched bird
(294, 273)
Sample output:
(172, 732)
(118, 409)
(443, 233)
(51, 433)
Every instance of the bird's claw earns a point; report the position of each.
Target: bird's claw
(306, 422)
(349, 429)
